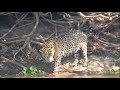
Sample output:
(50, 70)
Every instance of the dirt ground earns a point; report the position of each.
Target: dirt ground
(95, 69)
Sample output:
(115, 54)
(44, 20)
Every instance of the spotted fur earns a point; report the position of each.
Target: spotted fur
(64, 45)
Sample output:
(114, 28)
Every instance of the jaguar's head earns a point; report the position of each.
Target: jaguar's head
(48, 51)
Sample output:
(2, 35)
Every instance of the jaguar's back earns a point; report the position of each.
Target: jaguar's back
(69, 43)
(64, 45)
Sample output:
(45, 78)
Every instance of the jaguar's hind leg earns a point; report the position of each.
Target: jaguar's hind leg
(84, 50)
(76, 59)
(57, 65)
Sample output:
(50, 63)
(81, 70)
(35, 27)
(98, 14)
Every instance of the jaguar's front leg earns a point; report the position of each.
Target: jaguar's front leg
(57, 65)
(84, 49)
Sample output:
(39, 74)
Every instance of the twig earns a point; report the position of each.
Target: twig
(14, 41)
(50, 21)
(20, 37)
(108, 25)
(36, 24)
(22, 17)
(12, 28)
(26, 42)
(25, 25)
(116, 45)
(11, 61)
(50, 35)
(41, 44)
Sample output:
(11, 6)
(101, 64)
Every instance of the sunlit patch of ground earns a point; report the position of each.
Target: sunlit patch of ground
(98, 67)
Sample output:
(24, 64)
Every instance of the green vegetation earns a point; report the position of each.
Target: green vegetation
(111, 72)
(32, 71)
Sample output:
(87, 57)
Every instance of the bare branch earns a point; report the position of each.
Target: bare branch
(20, 49)
(20, 20)
(37, 22)
(11, 61)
